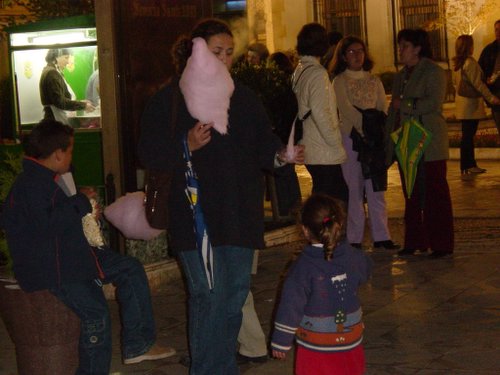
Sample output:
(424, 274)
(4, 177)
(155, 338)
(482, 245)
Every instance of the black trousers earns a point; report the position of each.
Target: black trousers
(467, 158)
(329, 179)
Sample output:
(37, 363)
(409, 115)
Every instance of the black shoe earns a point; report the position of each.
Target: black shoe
(356, 245)
(439, 254)
(387, 244)
(406, 251)
(243, 359)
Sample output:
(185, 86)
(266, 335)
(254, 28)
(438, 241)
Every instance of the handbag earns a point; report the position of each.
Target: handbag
(157, 186)
(465, 87)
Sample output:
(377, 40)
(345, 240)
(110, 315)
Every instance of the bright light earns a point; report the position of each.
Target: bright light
(44, 38)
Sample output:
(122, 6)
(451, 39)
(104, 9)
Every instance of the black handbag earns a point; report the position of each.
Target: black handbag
(157, 186)
(156, 197)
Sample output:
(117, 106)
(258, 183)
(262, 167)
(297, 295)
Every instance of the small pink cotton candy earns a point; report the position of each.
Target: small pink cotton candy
(127, 214)
(207, 86)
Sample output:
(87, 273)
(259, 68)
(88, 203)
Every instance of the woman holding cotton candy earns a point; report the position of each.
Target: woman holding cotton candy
(230, 141)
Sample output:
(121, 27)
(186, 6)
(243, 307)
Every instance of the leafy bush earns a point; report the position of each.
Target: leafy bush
(10, 167)
(271, 84)
(482, 139)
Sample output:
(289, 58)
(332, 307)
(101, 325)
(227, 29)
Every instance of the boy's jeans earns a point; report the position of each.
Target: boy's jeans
(215, 316)
(87, 300)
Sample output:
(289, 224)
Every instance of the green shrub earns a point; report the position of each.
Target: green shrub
(10, 167)
(482, 140)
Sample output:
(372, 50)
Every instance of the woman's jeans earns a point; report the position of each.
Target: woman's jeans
(215, 315)
(467, 157)
(87, 300)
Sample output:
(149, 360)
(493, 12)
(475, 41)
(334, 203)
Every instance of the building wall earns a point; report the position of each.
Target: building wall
(289, 16)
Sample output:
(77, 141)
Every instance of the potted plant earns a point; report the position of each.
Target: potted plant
(44, 331)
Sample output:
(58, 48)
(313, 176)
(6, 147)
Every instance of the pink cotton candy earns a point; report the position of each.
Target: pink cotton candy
(127, 214)
(207, 87)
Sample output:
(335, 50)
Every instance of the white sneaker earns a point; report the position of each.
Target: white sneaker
(156, 352)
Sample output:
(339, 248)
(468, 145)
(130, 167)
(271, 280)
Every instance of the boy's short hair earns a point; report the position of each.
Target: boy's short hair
(46, 137)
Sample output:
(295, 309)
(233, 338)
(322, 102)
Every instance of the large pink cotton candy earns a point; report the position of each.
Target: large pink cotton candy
(127, 214)
(207, 87)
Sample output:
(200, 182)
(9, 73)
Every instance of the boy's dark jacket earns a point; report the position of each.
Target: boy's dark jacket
(44, 231)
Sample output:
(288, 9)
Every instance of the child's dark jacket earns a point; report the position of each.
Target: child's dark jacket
(319, 303)
(44, 231)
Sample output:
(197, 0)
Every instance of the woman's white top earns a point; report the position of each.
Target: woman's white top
(360, 89)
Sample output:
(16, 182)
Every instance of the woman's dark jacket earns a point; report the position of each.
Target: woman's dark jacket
(421, 98)
(53, 91)
(44, 231)
(229, 169)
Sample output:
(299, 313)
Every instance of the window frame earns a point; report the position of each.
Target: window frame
(326, 10)
(438, 36)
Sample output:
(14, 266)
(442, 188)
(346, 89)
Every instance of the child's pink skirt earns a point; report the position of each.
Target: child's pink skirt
(308, 362)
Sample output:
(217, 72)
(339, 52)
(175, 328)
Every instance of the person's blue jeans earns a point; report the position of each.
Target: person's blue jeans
(215, 316)
(87, 300)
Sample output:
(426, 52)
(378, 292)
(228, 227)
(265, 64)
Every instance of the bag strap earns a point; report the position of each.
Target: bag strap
(176, 93)
(300, 75)
(308, 113)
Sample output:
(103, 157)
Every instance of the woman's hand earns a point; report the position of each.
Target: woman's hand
(199, 136)
(88, 106)
(294, 156)
(92, 195)
(279, 355)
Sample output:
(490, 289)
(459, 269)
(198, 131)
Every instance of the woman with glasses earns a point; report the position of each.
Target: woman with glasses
(356, 88)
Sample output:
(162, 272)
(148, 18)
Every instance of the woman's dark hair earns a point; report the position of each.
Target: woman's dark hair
(46, 137)
(282, 61)
(324, 217)
(52, 54)
(334, 37)
(463, 49)
(419, 38)
(312, 40)
(339, 63)
(205, 29)
(261, 50)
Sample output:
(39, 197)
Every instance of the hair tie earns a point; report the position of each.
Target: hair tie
(327, 219)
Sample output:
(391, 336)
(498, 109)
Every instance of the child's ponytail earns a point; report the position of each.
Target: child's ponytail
(324, 218)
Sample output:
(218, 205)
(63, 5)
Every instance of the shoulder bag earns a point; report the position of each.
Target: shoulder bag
(158, 182)
(465, 87)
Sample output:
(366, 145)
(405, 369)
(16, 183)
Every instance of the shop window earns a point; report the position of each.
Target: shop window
(419, 14)
(345, 16)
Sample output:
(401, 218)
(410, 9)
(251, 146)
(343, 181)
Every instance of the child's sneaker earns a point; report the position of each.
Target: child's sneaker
(156, 352)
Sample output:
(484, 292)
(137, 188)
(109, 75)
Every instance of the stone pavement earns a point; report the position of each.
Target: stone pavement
(422, 316)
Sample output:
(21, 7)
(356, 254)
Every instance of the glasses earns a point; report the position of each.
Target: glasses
(353, 52)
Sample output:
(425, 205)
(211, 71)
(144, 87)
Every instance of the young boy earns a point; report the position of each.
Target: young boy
(45, 236)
